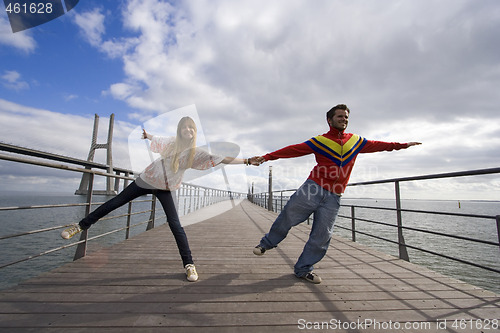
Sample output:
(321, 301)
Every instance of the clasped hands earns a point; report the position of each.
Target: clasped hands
(256, 160)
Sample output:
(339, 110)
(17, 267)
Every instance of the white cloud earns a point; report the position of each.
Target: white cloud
(92, 25)
(45, 130)
(260, 57)
(12, 80)
(122, 90)
(70, 97)
(20, 40)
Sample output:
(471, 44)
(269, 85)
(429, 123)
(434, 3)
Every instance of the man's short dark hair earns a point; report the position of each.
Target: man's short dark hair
(331, 112)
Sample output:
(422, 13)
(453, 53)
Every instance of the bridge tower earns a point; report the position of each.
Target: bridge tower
(83, 189)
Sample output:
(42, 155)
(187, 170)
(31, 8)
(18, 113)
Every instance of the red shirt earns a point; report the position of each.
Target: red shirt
(335, 154)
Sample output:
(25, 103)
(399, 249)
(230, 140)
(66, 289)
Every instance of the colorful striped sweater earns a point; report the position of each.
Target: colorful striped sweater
(335, 154)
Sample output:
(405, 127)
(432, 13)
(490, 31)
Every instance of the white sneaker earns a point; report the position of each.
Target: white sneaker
(191, 274)
(71, 231)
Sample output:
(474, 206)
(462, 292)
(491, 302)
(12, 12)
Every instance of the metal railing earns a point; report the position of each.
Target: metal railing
(189, 198)
(279, 200)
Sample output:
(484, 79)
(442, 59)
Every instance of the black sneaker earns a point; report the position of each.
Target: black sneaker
(259, 250)
(312, 277)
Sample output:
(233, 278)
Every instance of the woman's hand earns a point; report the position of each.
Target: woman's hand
(145, 135)
(256, 160)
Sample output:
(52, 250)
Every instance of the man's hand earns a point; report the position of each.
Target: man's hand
(413, 144)
(256, 160)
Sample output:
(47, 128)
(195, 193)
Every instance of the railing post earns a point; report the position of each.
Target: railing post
(127, 232)
(196, 198)
(270, 198)
(109, 156)
(199, 199)
(117, 182)
(353, 224)
(184, 204)
(151, 223)
(403, 253)
(498, 229)
(81, 248)
(190, 198)
(178, 193)
(202, 201)
(125, 181)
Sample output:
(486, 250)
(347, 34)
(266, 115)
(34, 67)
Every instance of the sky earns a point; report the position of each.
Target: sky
(262, 75)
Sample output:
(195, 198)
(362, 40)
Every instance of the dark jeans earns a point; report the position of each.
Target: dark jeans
(309, 198)
(134, 191)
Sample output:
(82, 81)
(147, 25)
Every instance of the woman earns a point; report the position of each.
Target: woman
(177, 154)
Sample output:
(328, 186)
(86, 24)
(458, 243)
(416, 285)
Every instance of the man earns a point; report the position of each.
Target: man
(335, 153)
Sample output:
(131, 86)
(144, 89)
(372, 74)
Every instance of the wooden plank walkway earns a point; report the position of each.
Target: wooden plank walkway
(139, 286)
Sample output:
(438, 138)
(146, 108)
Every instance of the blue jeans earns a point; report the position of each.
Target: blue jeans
(310, 198)
(134, 191)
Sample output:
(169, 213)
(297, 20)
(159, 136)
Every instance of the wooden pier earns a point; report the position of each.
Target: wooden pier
(139, 285)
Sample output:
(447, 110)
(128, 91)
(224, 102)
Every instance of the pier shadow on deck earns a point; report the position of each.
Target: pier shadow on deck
(139, 285)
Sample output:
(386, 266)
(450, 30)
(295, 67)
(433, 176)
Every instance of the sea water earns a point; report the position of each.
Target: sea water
(24, 220)
(13, 222)
(476, 228)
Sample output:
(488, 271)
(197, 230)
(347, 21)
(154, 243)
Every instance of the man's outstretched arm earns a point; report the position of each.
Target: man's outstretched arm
(372, 146)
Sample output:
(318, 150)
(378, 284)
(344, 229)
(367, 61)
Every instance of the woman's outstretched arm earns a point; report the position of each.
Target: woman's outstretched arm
(247, 161)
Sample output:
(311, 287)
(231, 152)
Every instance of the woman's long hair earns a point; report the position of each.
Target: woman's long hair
(181, 145)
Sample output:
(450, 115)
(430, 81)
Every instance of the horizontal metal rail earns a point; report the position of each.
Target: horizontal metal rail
(279, 200)
(60, 166)
(57, 157)
(67, 246)
(479, 172)
(479, 216)
(42, 206)
(427, 251)
(194, 197)
(417, 229)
